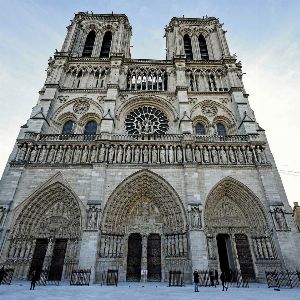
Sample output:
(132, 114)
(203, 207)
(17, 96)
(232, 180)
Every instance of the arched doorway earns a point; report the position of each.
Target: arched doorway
(47, 229)
(237, 231)
(145, 211)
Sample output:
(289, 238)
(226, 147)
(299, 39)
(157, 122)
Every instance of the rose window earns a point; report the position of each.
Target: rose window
(146, 120)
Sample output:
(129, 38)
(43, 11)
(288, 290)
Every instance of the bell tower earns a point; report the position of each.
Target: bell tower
(94, 35)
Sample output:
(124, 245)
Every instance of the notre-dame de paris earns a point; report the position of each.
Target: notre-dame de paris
(143, 165)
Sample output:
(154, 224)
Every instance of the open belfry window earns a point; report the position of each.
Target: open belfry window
(106, 44)
(187, 47)
(89, 44)
(203, 47)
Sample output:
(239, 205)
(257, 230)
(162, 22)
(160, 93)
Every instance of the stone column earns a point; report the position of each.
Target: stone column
(49, 253)
(144, 258)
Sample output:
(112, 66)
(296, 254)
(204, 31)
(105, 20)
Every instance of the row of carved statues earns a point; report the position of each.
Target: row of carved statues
(137, 153)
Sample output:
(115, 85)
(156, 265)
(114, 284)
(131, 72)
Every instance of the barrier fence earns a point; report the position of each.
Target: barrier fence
(80, 277)
(285, 279)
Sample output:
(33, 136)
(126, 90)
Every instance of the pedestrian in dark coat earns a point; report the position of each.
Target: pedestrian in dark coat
(3, 273)
(223, 280)
(34, 278)
(196, 280)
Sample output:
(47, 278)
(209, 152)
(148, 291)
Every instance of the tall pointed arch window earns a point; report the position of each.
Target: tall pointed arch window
(203, 47)
(200, 129)
(68, 127)
(89, 44)
(90, 127)
(221, 130)
(106, 44)
(187, 47)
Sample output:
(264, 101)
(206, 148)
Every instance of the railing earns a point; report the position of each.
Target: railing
(140, 137)
(137, 149)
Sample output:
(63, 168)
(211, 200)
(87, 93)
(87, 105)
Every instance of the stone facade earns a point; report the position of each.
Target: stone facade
(143, 165)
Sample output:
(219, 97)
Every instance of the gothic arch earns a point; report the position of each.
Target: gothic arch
(156, 101)
(232, 204)
(151, 189)
(52, 212)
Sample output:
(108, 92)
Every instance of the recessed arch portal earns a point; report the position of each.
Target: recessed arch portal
(47, 228)
(145, 205)
(236, 228)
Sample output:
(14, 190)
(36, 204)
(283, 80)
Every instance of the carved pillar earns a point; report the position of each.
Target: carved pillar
(49, 253)
(144, 258)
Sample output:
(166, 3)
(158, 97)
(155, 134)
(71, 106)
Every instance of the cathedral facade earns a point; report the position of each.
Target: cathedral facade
(144, 166)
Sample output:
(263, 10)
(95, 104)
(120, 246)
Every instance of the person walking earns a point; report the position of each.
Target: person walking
(34, 278)
(223, 280)
(196, 280)
(3, 274)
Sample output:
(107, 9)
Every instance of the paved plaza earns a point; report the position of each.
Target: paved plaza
(20, 291)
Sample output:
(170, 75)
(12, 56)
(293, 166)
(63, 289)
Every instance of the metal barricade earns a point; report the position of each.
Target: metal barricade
(80, 277)
(8, 275)
(176, 278)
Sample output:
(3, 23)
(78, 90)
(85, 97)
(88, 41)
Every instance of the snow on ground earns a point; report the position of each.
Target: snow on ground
(139, 291)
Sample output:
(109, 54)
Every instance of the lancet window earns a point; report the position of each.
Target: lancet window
(203, 47)
(68, 127)
(200, 129)
(89, 44)
(106, 44)
(221, 130)
(90, 127)
(187, 47)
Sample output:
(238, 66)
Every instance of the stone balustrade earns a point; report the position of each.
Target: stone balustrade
(137, 149)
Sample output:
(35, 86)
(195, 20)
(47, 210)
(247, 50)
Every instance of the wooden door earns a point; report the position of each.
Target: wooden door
(58, 258)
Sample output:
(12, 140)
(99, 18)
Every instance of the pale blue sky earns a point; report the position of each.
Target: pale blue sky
(264, 34)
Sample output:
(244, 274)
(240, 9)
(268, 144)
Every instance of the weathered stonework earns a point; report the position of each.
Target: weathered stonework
(144, 166)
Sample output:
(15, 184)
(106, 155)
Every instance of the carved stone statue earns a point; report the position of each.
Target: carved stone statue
(188, 153)
(94, 154)
(128, 154)
(249, 155)
(92, 218)
(171, 155)
(68, 155)
(280, 219)
(154, 155)
(76, 158)
(43, 154)
(162, 155)
(120, 155)
(145, 154)
(137, 154)
(223, 156)
(21, 153)
(33, 154)
(179, 154)
(85, 154)
(102, 153)
(214, 155)
(197, 154)
(231, 155)
(240, 156)
(260, 155)
(51, 154)
(59, 154)
(111, 153)
(205, 155)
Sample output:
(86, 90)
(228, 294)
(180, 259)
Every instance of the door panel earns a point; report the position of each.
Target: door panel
(38, 255)
(58, 258)
(134, 257)
(154, 257)
(244, 256)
